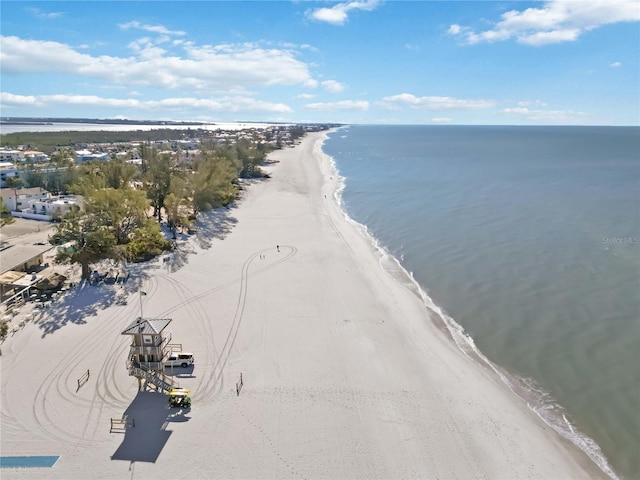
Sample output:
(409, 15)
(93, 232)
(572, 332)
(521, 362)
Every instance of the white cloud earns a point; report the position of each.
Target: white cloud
(454, 29)
(225, 104)
(88, 100)
(397, 102)
(615, 64)
(528, 103)
(556, 21)
(146, 48)
(339, 13)
(46, 15)
(32, 56)
(162, 30)
(221, 68)
(341, 105)
(332, 86)
(9, 99)
(305, 96)
(441, 120)
(560, 117)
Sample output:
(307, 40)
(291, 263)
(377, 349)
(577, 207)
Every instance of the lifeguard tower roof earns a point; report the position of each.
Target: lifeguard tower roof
(146, 326)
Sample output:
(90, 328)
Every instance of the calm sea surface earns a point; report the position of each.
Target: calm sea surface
(528, 238)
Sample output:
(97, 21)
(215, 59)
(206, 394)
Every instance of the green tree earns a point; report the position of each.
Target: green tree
(146, 243)
(83, 239)
(177, 212)
(5, 214)
(157, 180)
(214, 182)
(297, 131)
(4, 329)
(63, 173)
(89, 178)
(118, 174)
(122, 211)
(249, 158)
(62, 157)
(12, 182)
(32, 175)
(53, 181)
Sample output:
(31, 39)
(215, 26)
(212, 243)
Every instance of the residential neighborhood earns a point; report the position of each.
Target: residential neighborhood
(17, 161)
(40, 188)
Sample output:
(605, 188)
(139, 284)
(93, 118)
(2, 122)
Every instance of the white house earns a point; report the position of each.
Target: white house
(7, 170)
(53, 207)
(9, 155)
(36, 156)
(89, 156)
(18, 198)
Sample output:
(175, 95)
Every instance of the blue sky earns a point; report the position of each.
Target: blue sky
(410, 62)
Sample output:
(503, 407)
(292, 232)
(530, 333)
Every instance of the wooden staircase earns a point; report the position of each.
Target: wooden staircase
(155, 378)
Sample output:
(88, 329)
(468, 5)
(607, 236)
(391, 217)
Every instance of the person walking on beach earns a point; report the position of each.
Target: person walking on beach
(278, 247)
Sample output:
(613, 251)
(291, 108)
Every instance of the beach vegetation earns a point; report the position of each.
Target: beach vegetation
(5, 214)
(157, 170)
(84, 240)
(249, 157)
(121, 210)
(125, 204)
(177, 210)
(56, 176)
(118, 174)
(213, 182)
(12, 182)
(4, 329)
(146, 243)
(88, 180)
(33, 176)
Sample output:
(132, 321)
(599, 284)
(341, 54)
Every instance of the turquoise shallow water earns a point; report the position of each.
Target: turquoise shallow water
(529, 238)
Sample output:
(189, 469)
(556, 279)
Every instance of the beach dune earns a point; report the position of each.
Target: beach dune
(345, 374)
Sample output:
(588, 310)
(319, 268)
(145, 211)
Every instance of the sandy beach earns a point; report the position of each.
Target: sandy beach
(345, 374)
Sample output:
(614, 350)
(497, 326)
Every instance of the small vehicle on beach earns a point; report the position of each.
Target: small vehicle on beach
(179, 397)
(179, 359)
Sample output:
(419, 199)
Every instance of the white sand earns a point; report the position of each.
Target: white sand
(345, 375)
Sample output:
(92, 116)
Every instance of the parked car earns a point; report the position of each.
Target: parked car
(179, 359)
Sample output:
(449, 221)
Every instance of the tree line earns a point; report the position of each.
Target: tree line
(124, 204)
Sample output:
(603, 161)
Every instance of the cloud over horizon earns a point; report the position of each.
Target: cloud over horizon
(234, 104)
(396, 102)
(340, 105)
(208, 68)
(555, 22)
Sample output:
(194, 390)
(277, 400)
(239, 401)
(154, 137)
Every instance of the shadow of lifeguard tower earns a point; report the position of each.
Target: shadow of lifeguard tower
(145, 421)
(150, 347)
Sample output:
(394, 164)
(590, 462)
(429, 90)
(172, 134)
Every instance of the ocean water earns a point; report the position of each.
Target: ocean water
(528, 239)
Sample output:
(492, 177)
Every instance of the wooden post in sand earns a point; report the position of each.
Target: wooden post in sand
(239, 385)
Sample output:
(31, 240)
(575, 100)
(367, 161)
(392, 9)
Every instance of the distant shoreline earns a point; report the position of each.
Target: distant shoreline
(96, 121)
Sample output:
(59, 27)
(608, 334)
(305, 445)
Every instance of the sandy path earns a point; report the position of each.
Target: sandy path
(345, 375)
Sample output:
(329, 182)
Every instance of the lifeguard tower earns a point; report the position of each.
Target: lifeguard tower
(150, 347)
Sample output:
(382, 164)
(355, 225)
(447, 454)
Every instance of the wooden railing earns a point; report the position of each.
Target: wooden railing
(154, 377)
(161, 348)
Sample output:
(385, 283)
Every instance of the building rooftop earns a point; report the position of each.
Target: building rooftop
(10, 192)
(147, 326)
(15, 256)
